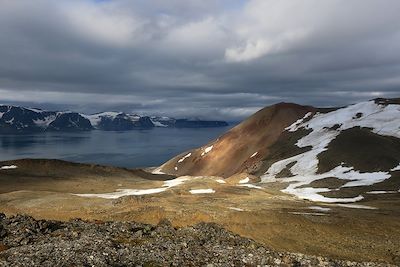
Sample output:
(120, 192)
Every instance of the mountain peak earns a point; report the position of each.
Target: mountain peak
(300, 145)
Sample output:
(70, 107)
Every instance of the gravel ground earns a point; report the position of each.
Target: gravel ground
(25, 241)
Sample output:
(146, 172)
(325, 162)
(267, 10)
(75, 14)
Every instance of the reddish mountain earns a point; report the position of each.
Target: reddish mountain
(240, 149)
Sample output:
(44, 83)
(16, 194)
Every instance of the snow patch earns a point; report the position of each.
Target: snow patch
(383, 120)
(202, 191)
(206, 150)
(318, 208)
(298, 122)
(125, 192)
(250, 186)
(45, 122)
(35, 110)
(268, 179)
(236, 209)
(185, 157)
(397, 168)
(308, 213)
(161, 121)
(157, 171)
(175, 182)
(244, 181)
(345, 173)
(2, 113)
(254, 154)
(221, 181)
(356, 206)
(137, 192)
(312, 194)
(8, 167)
(158, 124)
(95, 119)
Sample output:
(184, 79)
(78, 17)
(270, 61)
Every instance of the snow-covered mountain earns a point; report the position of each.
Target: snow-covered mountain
(186, 123)
(329, 155)
(21, 120)
(118, 121)
(14, 119)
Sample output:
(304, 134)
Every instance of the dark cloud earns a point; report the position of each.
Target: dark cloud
(219, 58)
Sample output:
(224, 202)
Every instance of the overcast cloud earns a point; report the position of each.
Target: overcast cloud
(210, 59)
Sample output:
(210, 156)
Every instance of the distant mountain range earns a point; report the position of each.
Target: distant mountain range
(15, 119)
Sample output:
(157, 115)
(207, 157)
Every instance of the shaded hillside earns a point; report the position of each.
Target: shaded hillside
(57, 175)
(361, 149)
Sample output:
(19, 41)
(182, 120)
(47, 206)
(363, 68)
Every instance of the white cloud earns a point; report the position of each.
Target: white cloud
(282, 50)
(266, 27)
(261, 47)
(102, 23)
(198, 38)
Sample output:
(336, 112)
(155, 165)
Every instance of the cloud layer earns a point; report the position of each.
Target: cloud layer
(216, 58)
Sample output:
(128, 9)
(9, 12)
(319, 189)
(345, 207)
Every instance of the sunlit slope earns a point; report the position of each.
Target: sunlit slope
(241, 149)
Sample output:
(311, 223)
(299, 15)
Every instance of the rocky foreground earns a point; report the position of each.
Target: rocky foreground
(25, 241)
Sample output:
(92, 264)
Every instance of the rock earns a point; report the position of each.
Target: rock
(80, 243)
(3, 231)
(3, 248)
(138, 234)
(25, 241)
(165, 222)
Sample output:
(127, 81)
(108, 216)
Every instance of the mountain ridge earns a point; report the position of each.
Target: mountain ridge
(16, 119)
(328, 155)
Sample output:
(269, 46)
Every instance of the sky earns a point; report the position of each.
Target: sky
(211, 59)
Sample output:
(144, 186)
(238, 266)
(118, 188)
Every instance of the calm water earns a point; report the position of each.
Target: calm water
(138, 148)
